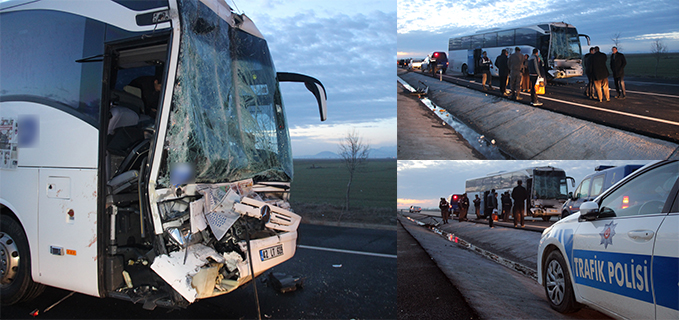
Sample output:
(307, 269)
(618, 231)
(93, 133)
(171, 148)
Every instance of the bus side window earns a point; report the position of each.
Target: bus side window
(38, 60)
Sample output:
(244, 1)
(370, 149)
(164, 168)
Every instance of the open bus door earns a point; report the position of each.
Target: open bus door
(473, 57)
(531, 196)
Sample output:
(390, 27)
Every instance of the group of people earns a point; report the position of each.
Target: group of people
(519, 195)
(597, 74)
(463, 206)
(522, 70)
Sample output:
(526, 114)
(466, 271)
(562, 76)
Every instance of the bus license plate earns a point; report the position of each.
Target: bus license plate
(270, 253)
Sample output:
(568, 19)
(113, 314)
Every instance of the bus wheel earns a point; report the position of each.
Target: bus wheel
(558, 285)
(16, 283)
(546, 218)
(464, 70)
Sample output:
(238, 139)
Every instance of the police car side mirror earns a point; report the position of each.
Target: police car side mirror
(570, 196)
(589, 210)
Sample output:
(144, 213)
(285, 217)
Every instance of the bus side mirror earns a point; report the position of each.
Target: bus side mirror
(313, 85)
(589, 211)
(586, 37)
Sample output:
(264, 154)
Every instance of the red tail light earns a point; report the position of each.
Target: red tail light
(436, 54)
(625, 202)
(455, 197)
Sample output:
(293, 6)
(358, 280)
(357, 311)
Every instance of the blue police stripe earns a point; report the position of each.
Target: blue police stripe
(620, 273)
(666, 281)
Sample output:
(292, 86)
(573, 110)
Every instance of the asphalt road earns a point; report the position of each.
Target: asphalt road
(337, 285)
(651, 107)
(492, 290)
(416, 270)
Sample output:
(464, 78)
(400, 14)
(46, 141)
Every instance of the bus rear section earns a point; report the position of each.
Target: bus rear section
(159, 151)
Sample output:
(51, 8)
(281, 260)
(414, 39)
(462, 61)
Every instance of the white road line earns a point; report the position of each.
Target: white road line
(648, 93)
(607, 110)
(612, 111)
(382, 255)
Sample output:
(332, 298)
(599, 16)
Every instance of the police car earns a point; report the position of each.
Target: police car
(620, 253)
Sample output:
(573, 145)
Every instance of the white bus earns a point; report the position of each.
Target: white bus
(546, 186)
(145, 150)
(558, 42)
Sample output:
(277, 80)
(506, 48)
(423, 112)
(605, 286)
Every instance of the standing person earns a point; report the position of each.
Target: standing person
(491, 204)
(519, 194)
(477, 206)
(600, 74)
(589, 91)
(535, 70)
(484, 68)
(618, 63)
(445, 210)
(515, 63)
(506, 206)
(464, 207)
(525, 79)
(501, 64)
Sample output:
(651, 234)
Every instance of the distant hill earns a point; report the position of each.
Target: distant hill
(379, 153)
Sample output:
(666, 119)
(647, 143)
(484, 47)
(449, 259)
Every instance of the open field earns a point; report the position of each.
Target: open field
(319, 189)
(643, 65)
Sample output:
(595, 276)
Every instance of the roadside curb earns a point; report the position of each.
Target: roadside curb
(349, 224)
(518, 267)
(525, 132)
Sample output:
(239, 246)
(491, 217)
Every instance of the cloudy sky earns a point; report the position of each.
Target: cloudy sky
(350, 46)
(423, 183)
(425, 26)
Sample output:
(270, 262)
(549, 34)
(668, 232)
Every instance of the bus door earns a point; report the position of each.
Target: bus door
(531, 196)
(473, 57)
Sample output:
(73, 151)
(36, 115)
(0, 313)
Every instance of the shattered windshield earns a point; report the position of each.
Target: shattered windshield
(226, 118)
(565, 43)
(549, 185)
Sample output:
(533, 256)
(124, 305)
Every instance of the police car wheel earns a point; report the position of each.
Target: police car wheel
(16, 283)
(558, 285)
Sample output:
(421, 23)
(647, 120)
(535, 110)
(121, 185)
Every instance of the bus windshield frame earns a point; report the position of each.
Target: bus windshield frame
(565, 43)
(549, 185)
(235, 128)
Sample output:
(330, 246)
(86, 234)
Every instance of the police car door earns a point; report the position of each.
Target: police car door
(665, 269)
(612, 265)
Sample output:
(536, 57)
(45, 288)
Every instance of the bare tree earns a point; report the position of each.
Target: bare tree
(658, 49)
(354, 153)
(617, 42)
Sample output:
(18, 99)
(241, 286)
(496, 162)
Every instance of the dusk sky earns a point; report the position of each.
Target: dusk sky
(423, 183)
(425, 26)
(350, 46)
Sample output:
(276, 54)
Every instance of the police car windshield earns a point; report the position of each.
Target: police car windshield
(550, 185)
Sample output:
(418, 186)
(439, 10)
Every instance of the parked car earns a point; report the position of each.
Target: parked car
(415, 64)
(415, 209)
(594, 184)
(618, 254)
(435, 62)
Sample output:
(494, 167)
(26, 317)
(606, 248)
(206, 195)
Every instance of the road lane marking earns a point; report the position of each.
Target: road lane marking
(382, 255)
(648, 93)
(605, 110)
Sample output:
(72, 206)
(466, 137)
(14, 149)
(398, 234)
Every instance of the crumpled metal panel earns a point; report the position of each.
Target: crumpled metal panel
(227, 117)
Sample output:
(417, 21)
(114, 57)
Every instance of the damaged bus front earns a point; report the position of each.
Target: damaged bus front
(194, 165)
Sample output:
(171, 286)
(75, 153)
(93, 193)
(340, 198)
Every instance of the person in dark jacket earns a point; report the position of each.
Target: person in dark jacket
(535, 70)
(525, 79)
(519, 194)
(464, 207)
(589, 90)
(484, 68)
(515, 64)
(506, 205)
(600, 74)
(618, 64)
(491, 205)
(445, 209)
(477, 206)
(503, 70)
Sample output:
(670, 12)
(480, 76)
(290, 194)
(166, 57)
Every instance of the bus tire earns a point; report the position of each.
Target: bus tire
(16, 282)
(465, 70)
(546, 218)
(557, 283)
